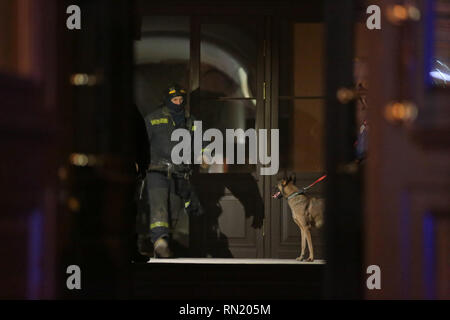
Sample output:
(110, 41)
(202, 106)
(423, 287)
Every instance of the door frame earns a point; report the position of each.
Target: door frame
(267, 113)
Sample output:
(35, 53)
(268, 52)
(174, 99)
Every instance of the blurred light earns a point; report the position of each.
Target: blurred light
(400, 12)
(83, 79)
(83, 160)
(79, 159)
(414, 13)
(345, 95)
(73, 204)
(397, 112)
(440, 75)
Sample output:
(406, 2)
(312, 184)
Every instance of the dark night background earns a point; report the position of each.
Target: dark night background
(71, 133)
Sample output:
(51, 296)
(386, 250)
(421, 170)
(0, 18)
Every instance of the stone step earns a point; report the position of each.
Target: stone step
(182, 279)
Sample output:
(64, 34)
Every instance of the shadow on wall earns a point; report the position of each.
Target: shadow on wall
(213, 189)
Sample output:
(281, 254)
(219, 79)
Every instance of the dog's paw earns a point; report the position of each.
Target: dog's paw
(299, 258)
(310, 259)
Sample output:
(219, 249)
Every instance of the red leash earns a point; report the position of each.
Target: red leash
(317, 181)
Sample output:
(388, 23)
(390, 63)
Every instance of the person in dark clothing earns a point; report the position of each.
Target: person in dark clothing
(169, 192)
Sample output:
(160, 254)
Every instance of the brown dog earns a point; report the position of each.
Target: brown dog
(307, 212)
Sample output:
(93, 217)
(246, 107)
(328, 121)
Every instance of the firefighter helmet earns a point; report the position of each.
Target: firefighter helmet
(175, 91)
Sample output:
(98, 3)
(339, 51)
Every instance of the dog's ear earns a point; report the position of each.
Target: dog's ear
(284, 178)
(288, 177)
(293, 178)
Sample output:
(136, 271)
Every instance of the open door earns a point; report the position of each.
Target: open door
(227, 73)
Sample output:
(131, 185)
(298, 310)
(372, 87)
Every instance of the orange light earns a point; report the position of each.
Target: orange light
(400, 12)
(73, 204)
(397, 112)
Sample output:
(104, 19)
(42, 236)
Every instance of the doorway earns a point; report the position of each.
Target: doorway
(260, 73)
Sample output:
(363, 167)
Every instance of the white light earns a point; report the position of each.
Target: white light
(440, 75)
(244, 83)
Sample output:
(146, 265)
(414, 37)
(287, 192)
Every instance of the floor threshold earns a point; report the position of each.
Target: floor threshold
(232, 261)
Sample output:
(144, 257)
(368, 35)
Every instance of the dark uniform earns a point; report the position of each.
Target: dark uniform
(169, 192)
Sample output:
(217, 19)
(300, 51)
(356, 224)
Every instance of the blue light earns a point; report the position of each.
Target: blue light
(35, 226)
(429, 258)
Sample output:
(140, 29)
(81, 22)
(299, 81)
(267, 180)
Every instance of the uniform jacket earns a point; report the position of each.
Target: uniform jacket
(160, 126)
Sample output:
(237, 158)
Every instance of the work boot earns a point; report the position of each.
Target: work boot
(161, 249)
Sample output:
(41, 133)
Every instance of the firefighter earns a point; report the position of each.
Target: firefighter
(169, 191)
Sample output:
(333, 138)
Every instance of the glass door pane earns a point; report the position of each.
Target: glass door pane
(228, 88)
(227, 96)
(301, 96)
(301, 64)
(230, 114)
(302, 125)
(228, 60)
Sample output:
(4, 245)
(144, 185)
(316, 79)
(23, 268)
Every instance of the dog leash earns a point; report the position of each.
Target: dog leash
(306, 188)
(317, 181)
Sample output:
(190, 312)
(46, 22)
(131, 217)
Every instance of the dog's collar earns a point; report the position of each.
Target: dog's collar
(296, 194)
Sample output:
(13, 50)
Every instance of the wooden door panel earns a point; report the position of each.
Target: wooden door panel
(232, 224)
